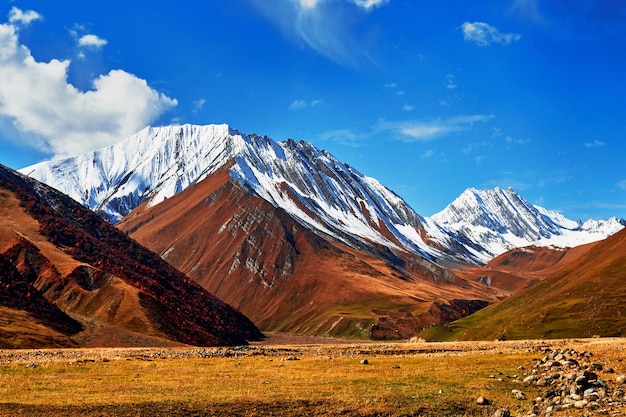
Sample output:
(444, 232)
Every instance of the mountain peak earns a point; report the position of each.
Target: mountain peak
(314, 188)
(499, 219)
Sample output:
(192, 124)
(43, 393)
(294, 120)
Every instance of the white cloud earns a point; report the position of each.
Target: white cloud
(301, 104)
(515, 141)
(408, 107)
(622, 185)
(326, 26)
(91, 41)
(527, 9)
(370, 4)
(595, 144)
(297, 105)
(198, 105)
(309, 4)
(483, 34)
(451, 85)
(59, 118)
(344, 137)
(415, 131)
(18, 16)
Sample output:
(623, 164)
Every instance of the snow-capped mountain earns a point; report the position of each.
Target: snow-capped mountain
(317, 190)
(491, 222)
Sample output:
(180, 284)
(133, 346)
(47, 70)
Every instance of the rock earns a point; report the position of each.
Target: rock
(482, 401)
(365, 362)
(530, 379)
(502, 412)
(519, 394)
(580, 404)
(621, 379)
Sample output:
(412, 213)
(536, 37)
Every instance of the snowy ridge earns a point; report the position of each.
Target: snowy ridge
(320, 192)
(310, 184)
(491, 222)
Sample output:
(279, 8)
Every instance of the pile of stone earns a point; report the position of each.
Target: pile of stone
(566, 379)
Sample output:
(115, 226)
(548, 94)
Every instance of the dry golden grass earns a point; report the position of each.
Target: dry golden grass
(400, 379)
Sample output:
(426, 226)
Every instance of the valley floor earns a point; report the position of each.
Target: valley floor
(312, 376)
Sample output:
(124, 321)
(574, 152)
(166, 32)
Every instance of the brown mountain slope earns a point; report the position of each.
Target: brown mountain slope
(584, 298)
(68, 260)
(521, 267)
(286, 278)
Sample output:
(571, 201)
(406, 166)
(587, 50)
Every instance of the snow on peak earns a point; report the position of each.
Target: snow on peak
(490, 222)
(310, 184)
(316, 189)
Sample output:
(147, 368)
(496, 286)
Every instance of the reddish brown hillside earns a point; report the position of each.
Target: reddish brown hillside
(521, 267)
(583, 298)
(67, 258)
(287, 278)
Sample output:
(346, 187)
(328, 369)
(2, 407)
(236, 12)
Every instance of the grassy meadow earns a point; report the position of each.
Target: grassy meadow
(399, 379)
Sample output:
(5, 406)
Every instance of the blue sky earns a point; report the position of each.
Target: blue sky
(428, 97)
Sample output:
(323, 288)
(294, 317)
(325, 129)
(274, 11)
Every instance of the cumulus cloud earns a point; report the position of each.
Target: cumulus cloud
(326, 26)
(92, 41)
(59, 118)
(483, 34)
(417, 131)
(17, 16)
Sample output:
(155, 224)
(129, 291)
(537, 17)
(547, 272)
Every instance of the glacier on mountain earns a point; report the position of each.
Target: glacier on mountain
(322, 193)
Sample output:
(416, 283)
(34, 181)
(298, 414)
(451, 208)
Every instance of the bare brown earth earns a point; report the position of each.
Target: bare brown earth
(519, 268)
(286, 278)
(581, 298)
(70, 279)
(399, 379)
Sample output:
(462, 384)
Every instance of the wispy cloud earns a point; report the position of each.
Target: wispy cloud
(344, 137)
(622, 185)
(302, 104)
(198, 105)
(483, 34)
(37, 99)
(595, 144)
(326, 26)
(370, 4)
(515, 141)
(416, 131)
(451, 84)
(527, 9)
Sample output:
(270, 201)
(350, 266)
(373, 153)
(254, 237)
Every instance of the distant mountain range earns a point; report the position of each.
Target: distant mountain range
(315, 189)
(299, 241)
(69, 278)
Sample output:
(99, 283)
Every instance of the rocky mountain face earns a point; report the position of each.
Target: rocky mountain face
(73, 279)
(487, 223)
(298, 240)
(287, 278)
(315, 189)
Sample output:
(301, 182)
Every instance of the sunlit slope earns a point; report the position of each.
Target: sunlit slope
(583, 299)
(285, 277)
(71, 279)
